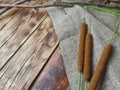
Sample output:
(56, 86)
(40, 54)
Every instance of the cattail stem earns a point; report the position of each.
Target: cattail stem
(86, 85)
(114, 32)
(79, 81)
(104, 9)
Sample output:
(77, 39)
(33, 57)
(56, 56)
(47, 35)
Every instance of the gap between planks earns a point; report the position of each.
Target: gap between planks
(16, 30)
(26, 67)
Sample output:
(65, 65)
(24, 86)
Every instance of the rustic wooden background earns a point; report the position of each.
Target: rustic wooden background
(27, 41)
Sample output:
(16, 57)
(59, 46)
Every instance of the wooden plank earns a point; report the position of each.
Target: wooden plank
(16, 41)
(24, 66)
(53, 76)
(10, 14)
(17, 30)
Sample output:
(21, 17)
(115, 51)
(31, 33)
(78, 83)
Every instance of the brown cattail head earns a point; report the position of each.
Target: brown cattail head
(83, 31)
(100, 67)
(88, 56)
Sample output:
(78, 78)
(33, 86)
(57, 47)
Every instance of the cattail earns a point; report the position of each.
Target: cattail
(88, 56)
(100, 67)
(83, 31)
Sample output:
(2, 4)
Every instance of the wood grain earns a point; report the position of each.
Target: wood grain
(53, 76)
(27, 41)
(15, 30)
(29, 60)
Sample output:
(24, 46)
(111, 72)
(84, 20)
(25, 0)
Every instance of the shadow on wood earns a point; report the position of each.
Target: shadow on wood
(53, 76)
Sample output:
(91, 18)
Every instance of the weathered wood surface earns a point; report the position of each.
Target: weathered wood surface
(16, 26)
(27, 40)
(53, 76)
(23, 67)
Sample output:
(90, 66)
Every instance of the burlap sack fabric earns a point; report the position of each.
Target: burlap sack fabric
(101, 25)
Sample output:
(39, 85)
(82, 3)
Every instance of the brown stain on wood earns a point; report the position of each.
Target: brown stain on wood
(24, 12)
(26, 33)
(39, 15)
(32, 24)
